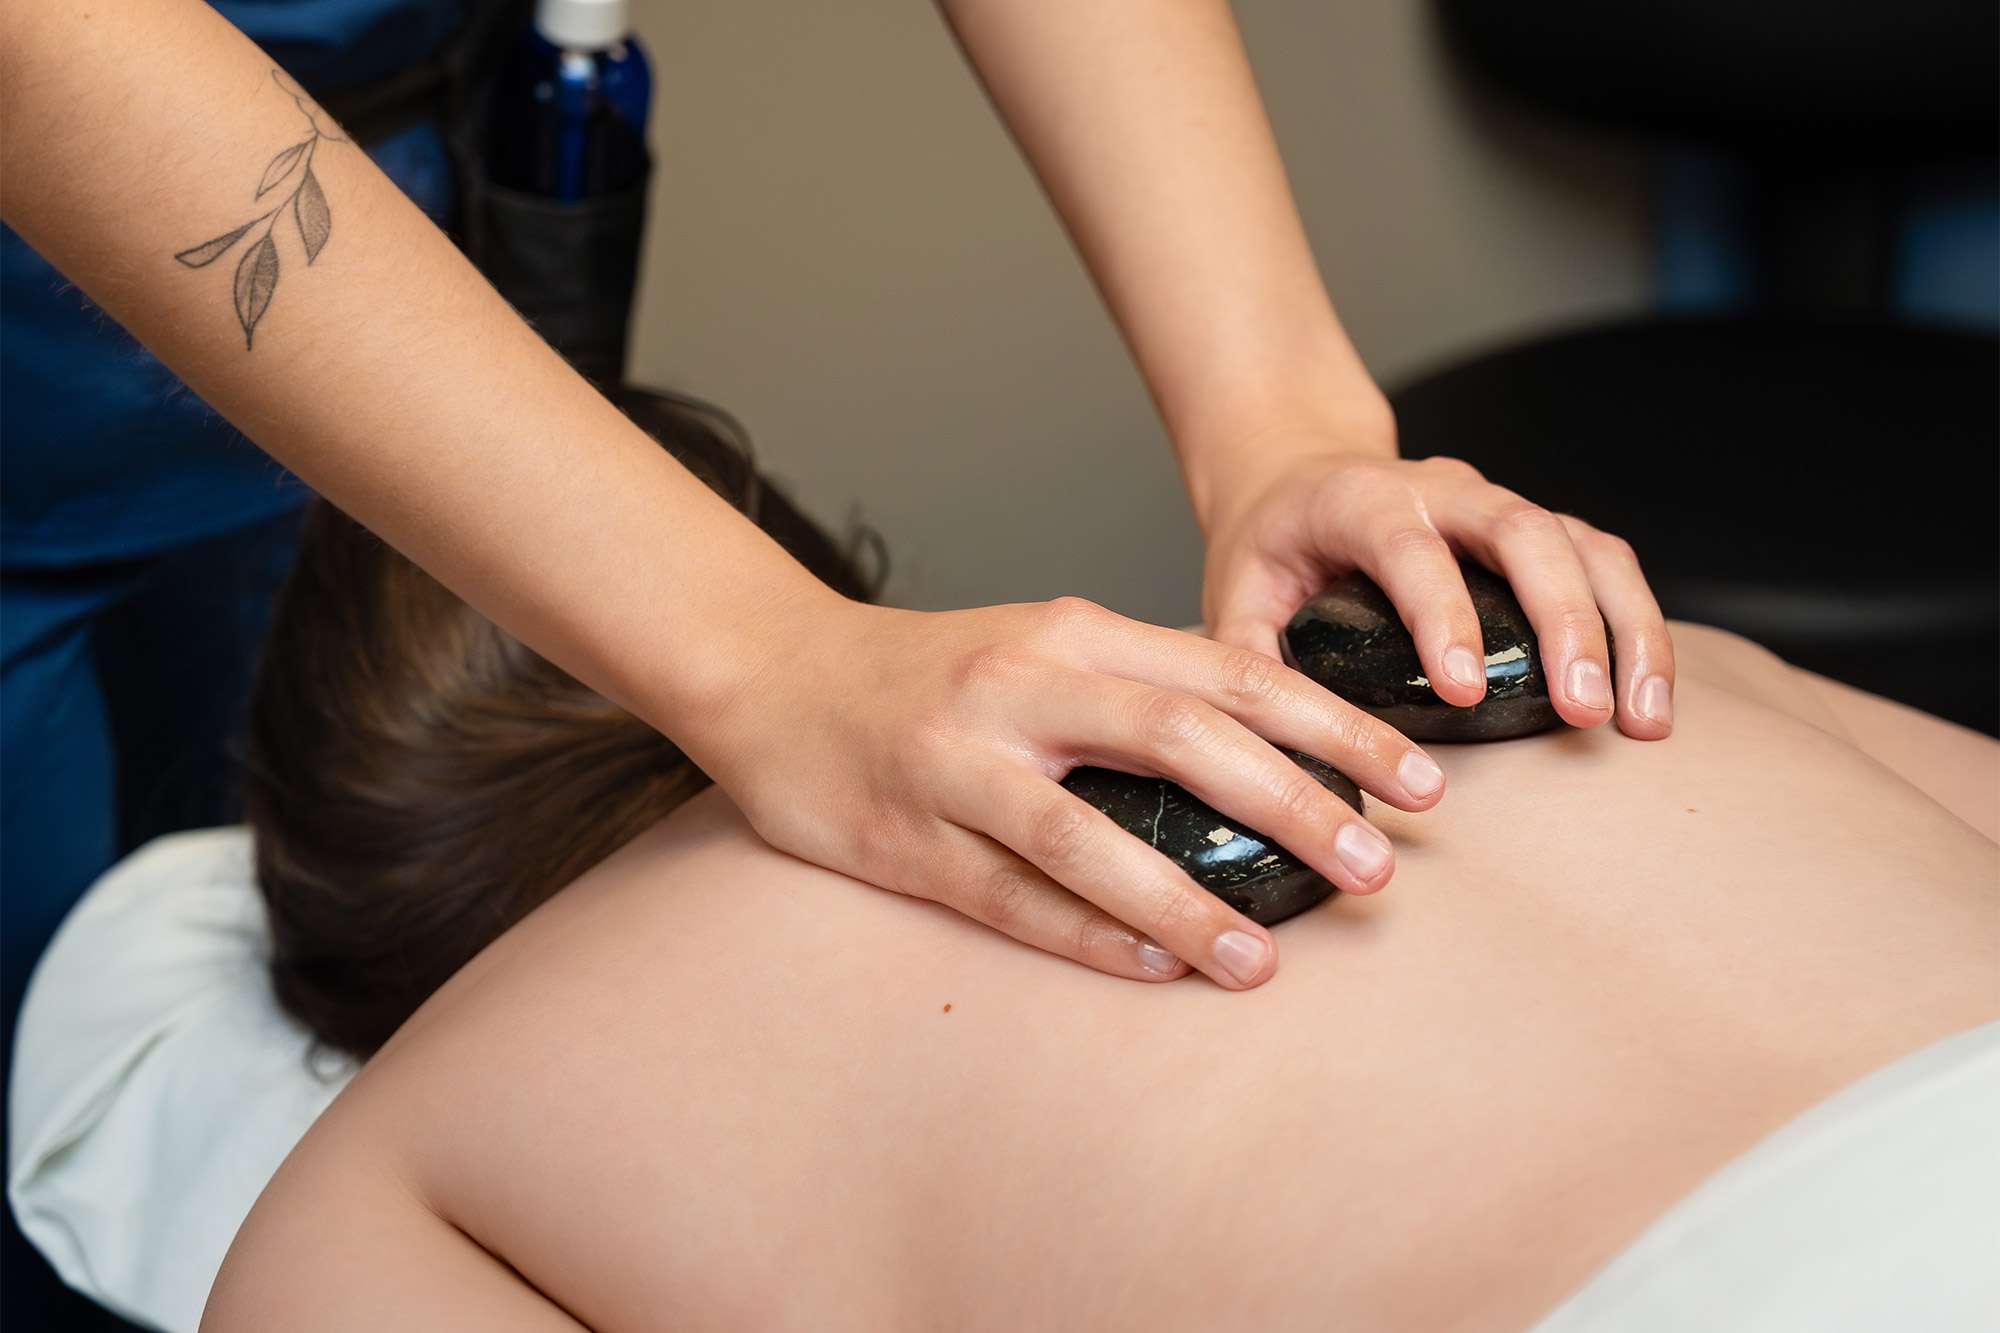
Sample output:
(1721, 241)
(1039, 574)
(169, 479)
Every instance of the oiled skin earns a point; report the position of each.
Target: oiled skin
(713, 1087)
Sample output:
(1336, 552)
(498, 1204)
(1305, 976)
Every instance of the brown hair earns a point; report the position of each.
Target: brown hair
(417, 780)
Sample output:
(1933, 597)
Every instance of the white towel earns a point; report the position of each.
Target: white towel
(156, 1083)
(1877, 1211)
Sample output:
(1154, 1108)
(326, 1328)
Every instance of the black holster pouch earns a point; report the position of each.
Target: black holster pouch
(570, 269)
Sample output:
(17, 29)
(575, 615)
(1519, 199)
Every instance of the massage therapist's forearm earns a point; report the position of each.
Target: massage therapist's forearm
(1143, 122)
(155, 158)
(386, 372)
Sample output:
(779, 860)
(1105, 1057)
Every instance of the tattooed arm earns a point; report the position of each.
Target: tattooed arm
(156, 157)
(257, 270)
(922, 752)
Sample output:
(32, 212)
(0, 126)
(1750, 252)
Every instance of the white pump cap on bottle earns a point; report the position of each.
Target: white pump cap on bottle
(588, 25)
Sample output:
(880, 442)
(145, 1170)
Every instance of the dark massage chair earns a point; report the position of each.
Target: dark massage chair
(1797, 454)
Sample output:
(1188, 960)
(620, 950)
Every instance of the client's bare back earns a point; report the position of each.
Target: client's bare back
(709, 1086)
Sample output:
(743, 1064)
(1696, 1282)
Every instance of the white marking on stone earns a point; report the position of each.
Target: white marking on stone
(1218, 836)
(1267, 860)
(1514, 654)
(1160, 810)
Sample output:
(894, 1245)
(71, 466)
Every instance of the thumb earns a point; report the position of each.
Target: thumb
(1249, 602)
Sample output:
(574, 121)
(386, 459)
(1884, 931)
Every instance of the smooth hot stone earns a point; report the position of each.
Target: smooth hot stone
(1350, 639)
(1245, 869)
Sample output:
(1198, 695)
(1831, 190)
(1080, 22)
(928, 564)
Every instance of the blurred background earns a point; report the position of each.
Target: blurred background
(1720, 279)
(845, 250)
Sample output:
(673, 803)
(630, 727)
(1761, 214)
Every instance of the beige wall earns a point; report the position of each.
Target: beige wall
(847, 252)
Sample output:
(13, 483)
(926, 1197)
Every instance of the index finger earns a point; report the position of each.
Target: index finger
(1081, 848)
(1280, 704)
(1531, 549)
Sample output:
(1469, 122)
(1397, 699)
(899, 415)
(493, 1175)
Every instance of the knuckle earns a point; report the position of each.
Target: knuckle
(1177, 913)
(1524, 519)
(1452, 469)
(989, 665)
(1003, 904)
(1614, 547)
(1092, 932)
(1574, 621)
(1353, 732)
(1248, 677)
(1372, 482)
(1058, 833)
(1169, 721)
(1653, 640)
(1300, 800)
(1413, 542)
(1069, 615)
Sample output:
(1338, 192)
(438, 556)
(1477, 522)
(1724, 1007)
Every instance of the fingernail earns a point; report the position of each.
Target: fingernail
(1420, 775)
(1462, 665)
(1588, 685)
(1156, 959)
(1361, 849)
(1241, 955)
(1654, 701)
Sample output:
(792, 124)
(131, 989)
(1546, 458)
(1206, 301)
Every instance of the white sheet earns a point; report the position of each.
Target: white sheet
(1878, 1211)
(156, 1083)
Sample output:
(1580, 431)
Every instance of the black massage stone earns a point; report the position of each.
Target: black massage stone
(1350, 639)
(1245, 869)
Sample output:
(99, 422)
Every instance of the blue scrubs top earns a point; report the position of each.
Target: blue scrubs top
(106, 454)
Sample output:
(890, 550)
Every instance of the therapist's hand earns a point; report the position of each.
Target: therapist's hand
(924, 752)
(1311, 507)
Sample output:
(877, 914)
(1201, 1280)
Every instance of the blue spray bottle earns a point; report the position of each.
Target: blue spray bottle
(569, 112)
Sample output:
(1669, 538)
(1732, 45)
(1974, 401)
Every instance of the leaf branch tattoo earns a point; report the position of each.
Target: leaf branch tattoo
(257, 271)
